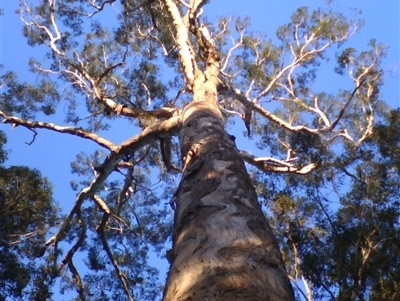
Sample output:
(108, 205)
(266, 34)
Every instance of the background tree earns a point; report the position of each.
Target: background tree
(107, 63)
(347, 252)
(27, 214)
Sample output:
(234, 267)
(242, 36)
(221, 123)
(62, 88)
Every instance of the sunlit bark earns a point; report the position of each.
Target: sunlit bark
(223, 247)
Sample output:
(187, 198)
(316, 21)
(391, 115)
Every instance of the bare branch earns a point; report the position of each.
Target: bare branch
(110, 104)
(127, 191)
(68, 258)
(187, 56)
(196, 6)
(99, 8)
(236, 94)
(231, 112)
(153, 132)
(109, 69)
(333, 125)
(129, 112)
(21, 237)
(273, 161)
(53, 38)
(34, 134)
(235, 46)
(156, 39)
(52, 127)
(41, 70)
(121, 276)
(294, 281)
(299, 59)
(77, 280)
(148, 94)
(352, 176)
(261, 165)
(320, 113)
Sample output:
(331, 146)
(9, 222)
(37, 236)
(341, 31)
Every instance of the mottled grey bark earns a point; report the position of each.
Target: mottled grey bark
(223, 247)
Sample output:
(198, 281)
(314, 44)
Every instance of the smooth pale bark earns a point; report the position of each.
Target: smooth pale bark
(223, 247)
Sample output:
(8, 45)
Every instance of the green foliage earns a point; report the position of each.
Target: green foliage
(27, 214)
(342, 235)
(147, 227)
(26, 99)
(338, 226)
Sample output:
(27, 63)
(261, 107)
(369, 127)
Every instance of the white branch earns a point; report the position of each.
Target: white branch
(60, 129)
(184, 46)
(148, 94)
(284, 168)
(297, 61)
(237, 45)
(53, 38)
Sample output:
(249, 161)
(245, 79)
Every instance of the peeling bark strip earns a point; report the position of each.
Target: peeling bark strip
(223, 247)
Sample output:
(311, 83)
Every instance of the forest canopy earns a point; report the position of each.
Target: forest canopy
(304, 105)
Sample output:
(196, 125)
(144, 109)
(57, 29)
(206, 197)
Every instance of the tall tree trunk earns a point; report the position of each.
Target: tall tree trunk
(223, 247)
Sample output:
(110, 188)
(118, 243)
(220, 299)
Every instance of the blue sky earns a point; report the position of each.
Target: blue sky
(52, 153)
(382, 23)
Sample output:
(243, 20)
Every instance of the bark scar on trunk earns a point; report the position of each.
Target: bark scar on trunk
(191, 162)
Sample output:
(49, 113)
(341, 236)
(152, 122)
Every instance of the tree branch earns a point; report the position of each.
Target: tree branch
(97, 7)
(78, 280)
(294, 281)
(110, 104)
(154, 132)
(52, 127)
(100, 231)
(228, 91)
(53, 38)
(186, 54)
(285, 168)
(343, 109)
(68, 258)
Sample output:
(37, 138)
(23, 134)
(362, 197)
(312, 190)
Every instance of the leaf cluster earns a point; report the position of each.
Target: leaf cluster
(28, 212)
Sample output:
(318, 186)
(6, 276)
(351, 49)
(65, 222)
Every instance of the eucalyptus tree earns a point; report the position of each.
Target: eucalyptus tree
(105, 61)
